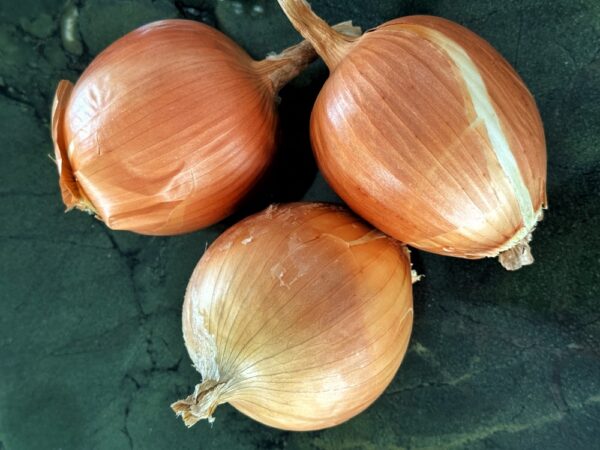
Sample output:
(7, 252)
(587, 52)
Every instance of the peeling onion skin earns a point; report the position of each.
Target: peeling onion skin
(427, 132)
(170, 127)
(298, 316)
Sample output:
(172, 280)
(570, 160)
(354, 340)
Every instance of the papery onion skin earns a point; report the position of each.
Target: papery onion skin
(298, 316)
(170, 127)
(427, 132)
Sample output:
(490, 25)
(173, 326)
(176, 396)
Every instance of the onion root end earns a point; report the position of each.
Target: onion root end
(517, 256)
(201, 404)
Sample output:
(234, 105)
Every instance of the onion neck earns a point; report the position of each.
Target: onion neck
(330, 43)
(201, 404)
(279, 70)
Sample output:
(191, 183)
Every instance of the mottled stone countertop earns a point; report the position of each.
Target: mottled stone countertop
(91, 351)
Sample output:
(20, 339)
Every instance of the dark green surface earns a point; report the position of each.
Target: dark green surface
(91, 352)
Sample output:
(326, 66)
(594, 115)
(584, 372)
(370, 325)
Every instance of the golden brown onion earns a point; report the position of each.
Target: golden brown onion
(169, 128)
(298, 316)
(429, 134)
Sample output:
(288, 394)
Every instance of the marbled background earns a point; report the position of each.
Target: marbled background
(91, 352)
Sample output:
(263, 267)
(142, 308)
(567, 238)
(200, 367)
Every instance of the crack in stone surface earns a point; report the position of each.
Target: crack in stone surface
(452, 441)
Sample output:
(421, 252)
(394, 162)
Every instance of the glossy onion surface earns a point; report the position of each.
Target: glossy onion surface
(429, 134)
(166, 131)
(298, 316)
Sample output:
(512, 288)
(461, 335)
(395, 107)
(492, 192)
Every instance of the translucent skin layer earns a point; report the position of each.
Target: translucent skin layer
(429, 134)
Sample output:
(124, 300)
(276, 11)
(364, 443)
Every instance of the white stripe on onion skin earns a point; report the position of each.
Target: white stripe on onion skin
(486, 112)
(429, 134)
(482, 104)
(521, 254)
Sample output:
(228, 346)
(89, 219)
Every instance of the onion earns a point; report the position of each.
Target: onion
(429, 134)
(169, 127)
(298, 316)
